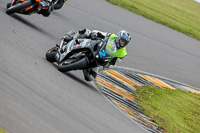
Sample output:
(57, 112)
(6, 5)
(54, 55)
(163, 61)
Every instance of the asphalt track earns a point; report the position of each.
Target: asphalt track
(36, 98)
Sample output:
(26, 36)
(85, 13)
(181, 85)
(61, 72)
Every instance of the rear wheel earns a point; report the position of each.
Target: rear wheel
(17, 7)
(50, 54)
(73, 64)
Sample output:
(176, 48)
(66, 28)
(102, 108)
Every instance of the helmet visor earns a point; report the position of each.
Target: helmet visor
(123, 42)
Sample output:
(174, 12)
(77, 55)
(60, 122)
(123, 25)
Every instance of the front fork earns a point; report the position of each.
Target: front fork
(61, 43)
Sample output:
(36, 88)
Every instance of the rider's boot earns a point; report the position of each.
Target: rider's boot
(90, 74)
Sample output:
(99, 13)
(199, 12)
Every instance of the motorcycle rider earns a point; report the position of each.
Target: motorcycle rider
(121, 39)
(54, 5)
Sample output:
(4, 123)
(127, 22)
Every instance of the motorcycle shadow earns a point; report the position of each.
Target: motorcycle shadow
(78, 79)
(26, 22)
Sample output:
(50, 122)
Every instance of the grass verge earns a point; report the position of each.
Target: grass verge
(175, 111)
(180, 15)
(1, 130)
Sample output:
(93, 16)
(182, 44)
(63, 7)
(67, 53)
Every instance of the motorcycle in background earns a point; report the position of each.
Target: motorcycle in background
(30, 6)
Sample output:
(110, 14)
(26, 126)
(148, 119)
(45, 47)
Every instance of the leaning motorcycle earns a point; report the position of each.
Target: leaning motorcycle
(28, 6)
(81, 54)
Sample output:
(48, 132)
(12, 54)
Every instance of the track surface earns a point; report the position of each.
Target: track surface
(35, 97)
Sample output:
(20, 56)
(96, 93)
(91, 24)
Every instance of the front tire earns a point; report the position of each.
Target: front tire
(17, 7)
(70, 64)
(51, 53)
(8, 5)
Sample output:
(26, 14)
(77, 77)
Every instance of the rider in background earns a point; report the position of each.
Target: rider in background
(121, 39)
(58, 4)
(54, 5)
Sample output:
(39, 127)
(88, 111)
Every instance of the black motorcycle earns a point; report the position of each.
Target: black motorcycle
(29, 7)
(81, 54)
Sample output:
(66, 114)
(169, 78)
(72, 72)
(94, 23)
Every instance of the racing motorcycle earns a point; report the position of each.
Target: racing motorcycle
(29, 6)
(81, 54)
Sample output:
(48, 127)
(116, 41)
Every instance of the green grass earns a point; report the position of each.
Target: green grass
(180, 15)
(175, 111)
(2, 131)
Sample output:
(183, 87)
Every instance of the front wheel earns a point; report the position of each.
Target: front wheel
(9, 5)
(17, 7)
(73, 64)
(51, 53)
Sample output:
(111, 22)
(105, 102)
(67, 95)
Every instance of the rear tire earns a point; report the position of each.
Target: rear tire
(50, 54)
(70, 65)
(18, 7)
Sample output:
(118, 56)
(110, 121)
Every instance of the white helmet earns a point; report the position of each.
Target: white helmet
(122, 39)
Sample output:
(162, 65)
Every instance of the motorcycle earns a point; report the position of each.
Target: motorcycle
(28, 7)
(81, 54)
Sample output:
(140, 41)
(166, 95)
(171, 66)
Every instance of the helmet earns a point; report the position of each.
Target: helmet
(122, 39)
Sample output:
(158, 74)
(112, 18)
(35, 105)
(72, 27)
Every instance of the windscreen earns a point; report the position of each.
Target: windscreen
(110, 47)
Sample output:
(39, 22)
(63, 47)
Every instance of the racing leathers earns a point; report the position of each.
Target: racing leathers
(86, 33)
(53, 5)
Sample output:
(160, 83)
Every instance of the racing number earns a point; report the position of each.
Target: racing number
(102, 53)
